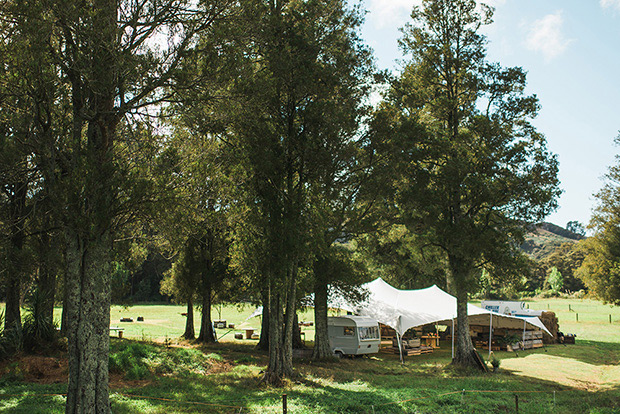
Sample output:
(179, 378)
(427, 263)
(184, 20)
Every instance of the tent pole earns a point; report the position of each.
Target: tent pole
(453, 339)
(400, 347)
(523, 333)
(490, 333)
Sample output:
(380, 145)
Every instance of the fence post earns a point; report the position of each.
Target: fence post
(517, 403)
(577, 317)
(284, 408)
(610, 318)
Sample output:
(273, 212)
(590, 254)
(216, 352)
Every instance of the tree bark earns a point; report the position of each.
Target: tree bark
(263, 342)
(16, 265)
(322, 348)
(273, 375)
(88, 320)
(189, 321)
(298, 343)
(463, 354)
(65, 302)
(206, 325)
(12, 315)
(47, 279)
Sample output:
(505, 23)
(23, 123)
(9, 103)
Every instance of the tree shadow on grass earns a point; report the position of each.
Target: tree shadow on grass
(589, 352)
(378, 384)
(236, 392)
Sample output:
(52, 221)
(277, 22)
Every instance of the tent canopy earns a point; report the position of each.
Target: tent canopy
(405, 309)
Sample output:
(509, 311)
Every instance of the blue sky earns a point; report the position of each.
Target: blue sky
(571, 51)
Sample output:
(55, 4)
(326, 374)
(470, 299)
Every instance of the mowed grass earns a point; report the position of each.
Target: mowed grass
(225, 377)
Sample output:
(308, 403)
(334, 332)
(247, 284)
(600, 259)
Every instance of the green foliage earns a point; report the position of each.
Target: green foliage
(131, 360)
(555, 280)
(141, 360)
(600, 269)
(466, 179)
(402, 258)
(576, 227)
(39, 329)
(495, 362)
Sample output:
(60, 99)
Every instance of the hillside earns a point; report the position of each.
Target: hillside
(542, 240)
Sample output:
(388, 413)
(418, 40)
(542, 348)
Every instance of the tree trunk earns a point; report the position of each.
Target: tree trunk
(88, 321)
(47, 279)
(12, 313)
(65, 302)
(463, 354)
(16, 265)
(322, 349)
(281, 330)
(298, 343)
(206, 325)
(287, 349)
(273, 375)
(263, 342)
(189, 321)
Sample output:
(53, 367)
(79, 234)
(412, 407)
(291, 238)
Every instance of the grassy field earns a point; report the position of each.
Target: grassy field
(225, 378)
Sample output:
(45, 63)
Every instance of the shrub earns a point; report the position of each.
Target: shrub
(132, 359)
(38, 329)
(495, 362)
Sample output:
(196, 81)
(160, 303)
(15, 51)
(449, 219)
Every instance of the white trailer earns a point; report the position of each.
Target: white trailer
(509, 308)
(353, 335)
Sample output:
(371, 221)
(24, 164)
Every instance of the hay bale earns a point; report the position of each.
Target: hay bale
(551, 323)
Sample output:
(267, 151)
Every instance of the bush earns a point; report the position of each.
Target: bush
(38, 329)
(495, 362)
(132, 359)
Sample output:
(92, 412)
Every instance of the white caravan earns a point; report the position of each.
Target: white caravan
(353, 335)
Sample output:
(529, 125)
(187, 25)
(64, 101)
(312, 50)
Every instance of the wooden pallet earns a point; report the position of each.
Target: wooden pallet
(414, 351)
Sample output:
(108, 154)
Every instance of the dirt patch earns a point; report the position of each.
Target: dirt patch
(38, 369)
(218, 367)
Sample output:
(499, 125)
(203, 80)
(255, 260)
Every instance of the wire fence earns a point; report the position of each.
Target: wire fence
(283, 406)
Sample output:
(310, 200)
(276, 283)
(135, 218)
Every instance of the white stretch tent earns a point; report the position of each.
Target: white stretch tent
(405, 309)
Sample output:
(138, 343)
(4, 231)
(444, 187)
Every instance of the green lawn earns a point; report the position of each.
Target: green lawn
(224, 377)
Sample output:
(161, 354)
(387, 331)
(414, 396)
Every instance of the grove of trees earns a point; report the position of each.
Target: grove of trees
(230, 151)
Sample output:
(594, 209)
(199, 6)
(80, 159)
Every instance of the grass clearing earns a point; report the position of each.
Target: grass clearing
(224, 378)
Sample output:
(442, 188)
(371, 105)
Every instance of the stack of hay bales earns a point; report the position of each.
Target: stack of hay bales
(551, 323)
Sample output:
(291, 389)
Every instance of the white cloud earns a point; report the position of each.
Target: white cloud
(611, 4)
(395, 13)
(390, 13)
(546, 36)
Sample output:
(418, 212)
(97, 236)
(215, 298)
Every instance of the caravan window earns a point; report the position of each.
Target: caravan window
(349, 331)
(369, 332)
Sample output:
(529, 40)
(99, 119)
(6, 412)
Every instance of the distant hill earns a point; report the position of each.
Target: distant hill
(543, 238)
